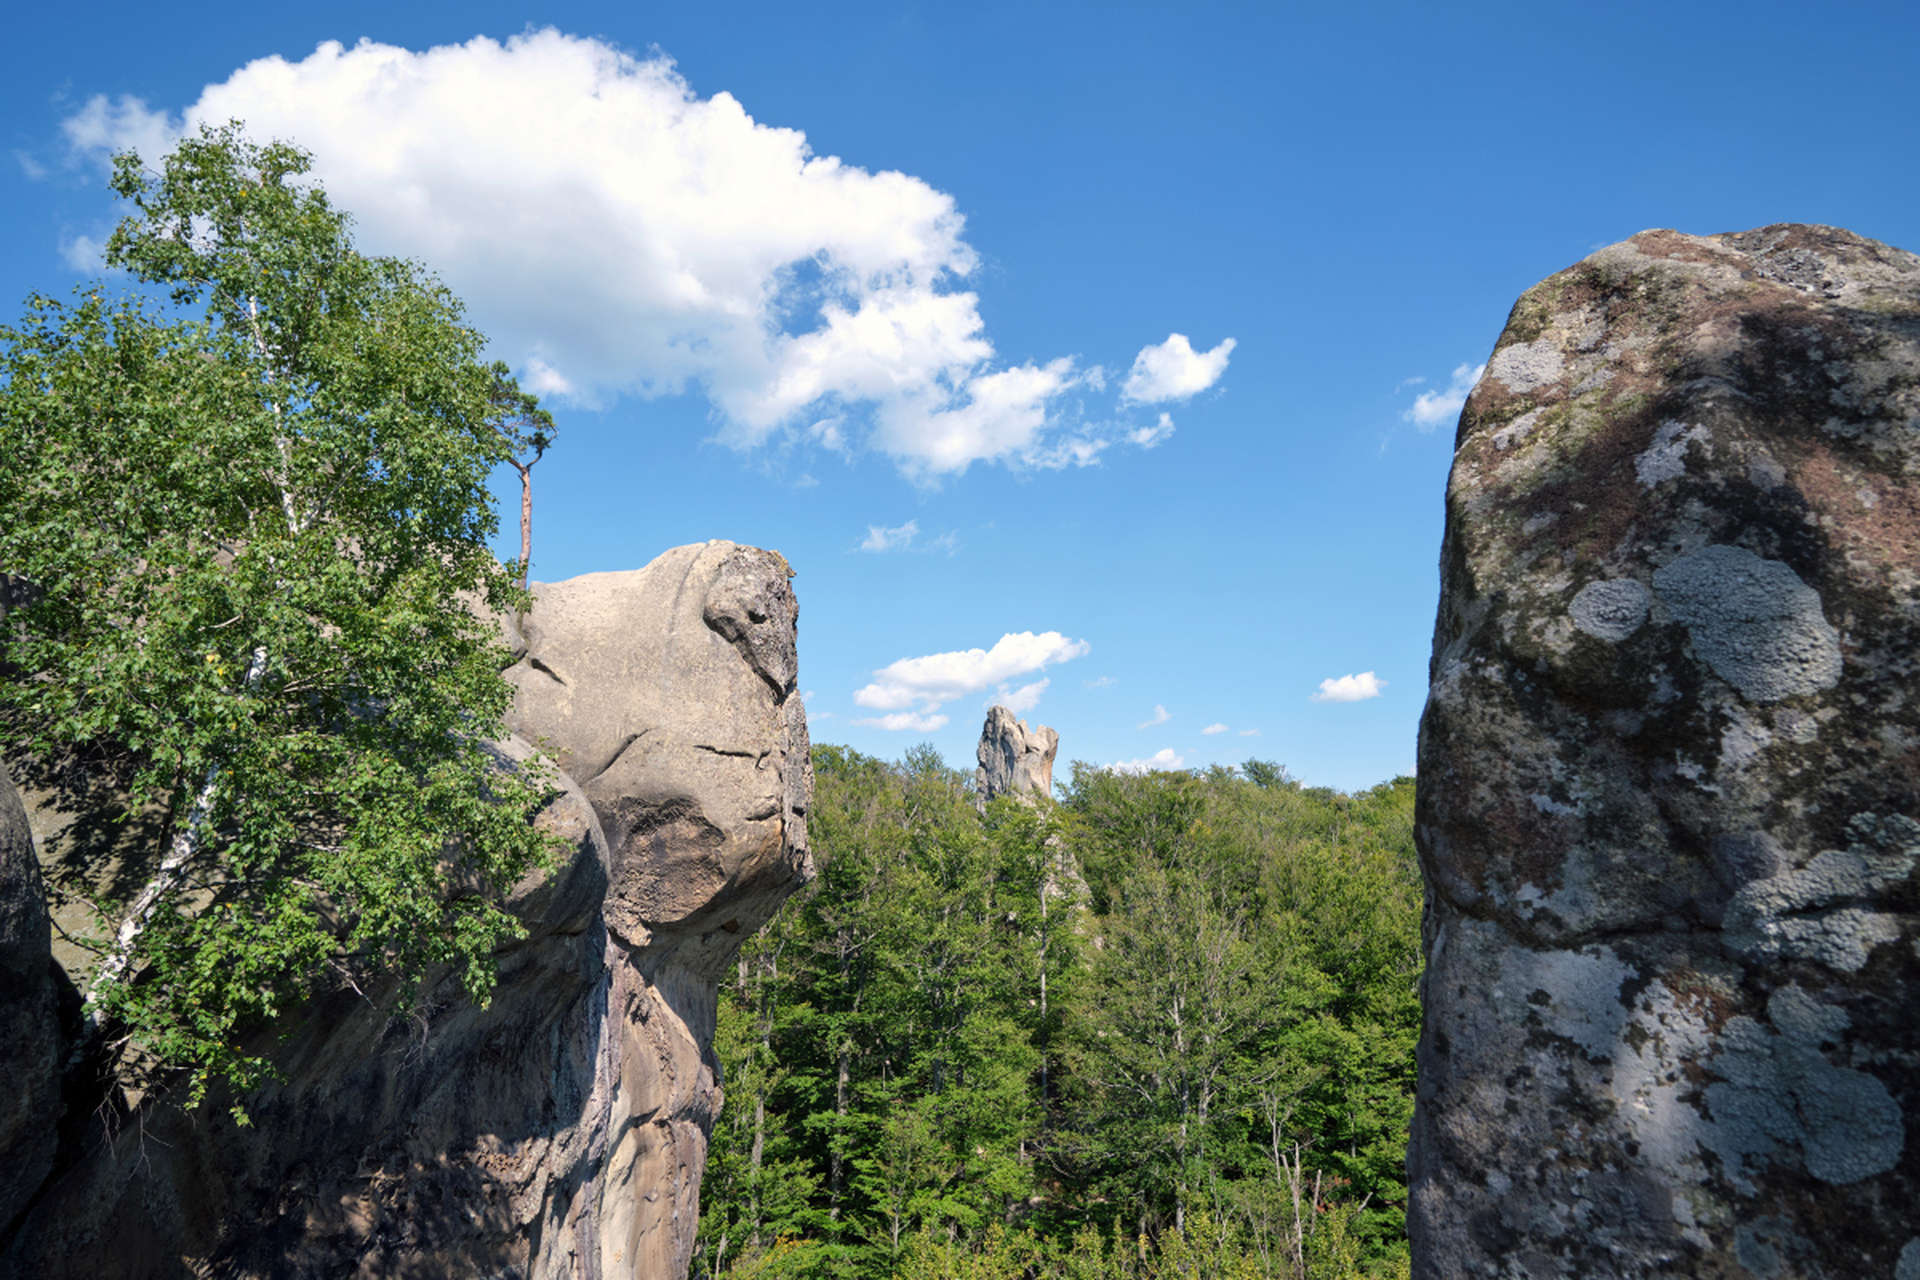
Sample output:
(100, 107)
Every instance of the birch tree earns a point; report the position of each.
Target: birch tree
(248, 519)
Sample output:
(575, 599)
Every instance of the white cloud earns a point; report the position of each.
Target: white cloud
(1164, 758)
(1249, 733)
(616, 233)
(545, 380)
(1434, 408)
(104, 125)
(1214, 728)
(905, 537)
(1147, 437)
(1174, 370)
(1350, 688)
(905, 720)
(1104, 682)
(1025, 698)
(1160, 716)
(939, 678)
(895, 539)
(84, 253)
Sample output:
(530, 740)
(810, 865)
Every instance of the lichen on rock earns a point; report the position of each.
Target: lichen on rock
(1669, 770)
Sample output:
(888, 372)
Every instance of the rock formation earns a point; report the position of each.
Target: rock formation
(1014, 760)
(32, 1046)
(561, 1132)
(1669, 773)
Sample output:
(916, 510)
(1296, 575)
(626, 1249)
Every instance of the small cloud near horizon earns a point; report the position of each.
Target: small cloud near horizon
(912, 690)
(1160, 716)
(1249, 733)
(1164, 758)
(1214, 728)
(1353, 688)
(905, 720)
(1103, 682)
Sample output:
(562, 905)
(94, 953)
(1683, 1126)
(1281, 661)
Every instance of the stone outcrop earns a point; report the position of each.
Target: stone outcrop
(1669, 773)
(559, 1133)
(31, 1044)
(1014, 760)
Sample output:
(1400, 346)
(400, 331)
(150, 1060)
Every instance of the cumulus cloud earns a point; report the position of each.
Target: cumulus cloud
(1350, 688)
(927, 683)
(84, 253)
(1164, 758)
(1214, 728)
(1147, 437)
(1104, 682)
(1434, 408)
(896, 539)
(906, 720)
(120, 124)
(1160, 716)
(1249, 733)
(1174, 371)
(1022, 699)
(616, 233)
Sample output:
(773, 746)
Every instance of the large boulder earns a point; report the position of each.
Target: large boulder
(559, 1133)
(1669, 773)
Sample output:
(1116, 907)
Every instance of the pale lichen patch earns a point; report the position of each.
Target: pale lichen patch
(1753, 621)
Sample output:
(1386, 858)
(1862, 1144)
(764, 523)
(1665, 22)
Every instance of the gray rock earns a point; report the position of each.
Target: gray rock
(1753, 621)
(561, 1132)
(31, 1047)
(1669, 771)
(1014, 760)
(1611, 610)
(685, 733)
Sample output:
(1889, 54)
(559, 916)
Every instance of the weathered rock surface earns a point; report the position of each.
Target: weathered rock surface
(1014, 760)
(1669, 776)
(30, 1041)
(561, 1132)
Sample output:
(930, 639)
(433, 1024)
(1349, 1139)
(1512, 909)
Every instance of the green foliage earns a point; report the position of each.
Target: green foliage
(1164, 1027)
(248, 521)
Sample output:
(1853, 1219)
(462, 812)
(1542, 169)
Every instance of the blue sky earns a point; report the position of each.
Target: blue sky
(892, 288)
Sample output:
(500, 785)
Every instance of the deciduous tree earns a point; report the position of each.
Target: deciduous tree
(249, 520)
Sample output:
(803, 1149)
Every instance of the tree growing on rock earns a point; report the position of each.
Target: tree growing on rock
(249, 520)
(528, 431)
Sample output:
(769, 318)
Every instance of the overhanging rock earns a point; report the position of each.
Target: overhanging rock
(561, 1133)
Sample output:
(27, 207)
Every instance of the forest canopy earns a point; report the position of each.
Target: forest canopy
(1162, 1026)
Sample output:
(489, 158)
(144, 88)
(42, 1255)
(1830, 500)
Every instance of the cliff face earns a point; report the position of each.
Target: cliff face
(1669, 773)
(560, 1132)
